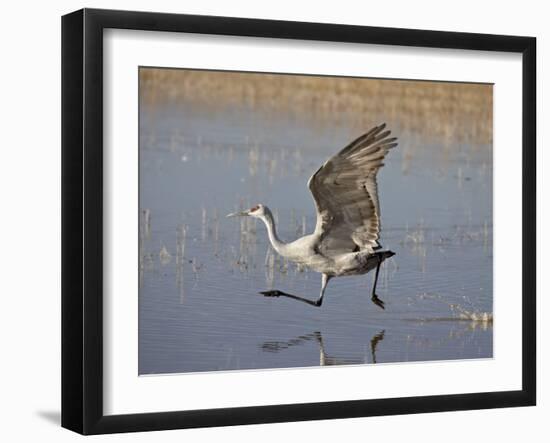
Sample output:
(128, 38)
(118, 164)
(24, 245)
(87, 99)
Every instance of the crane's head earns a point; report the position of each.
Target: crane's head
(256, 211)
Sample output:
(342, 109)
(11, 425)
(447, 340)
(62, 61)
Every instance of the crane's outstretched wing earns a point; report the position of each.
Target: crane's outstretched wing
(346, 194)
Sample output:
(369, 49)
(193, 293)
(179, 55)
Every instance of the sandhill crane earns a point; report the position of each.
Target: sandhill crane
(345, 240)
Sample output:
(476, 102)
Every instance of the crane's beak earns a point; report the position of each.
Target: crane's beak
(238, 214)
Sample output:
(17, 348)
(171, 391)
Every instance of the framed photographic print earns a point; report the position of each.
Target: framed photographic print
(269, 221)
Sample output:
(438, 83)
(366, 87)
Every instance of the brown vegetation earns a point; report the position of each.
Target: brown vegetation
(457, 112)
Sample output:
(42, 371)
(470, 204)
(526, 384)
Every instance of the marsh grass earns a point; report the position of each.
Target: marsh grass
(457, 112)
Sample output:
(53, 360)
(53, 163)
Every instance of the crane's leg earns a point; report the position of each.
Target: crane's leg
(318, 302)
(374, 297)
(324, 282)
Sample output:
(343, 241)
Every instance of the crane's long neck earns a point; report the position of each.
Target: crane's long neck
(277, 244)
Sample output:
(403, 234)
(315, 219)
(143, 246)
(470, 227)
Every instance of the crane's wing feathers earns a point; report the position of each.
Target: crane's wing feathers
(346, 194)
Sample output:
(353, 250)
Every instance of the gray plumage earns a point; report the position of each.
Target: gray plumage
(346, 236)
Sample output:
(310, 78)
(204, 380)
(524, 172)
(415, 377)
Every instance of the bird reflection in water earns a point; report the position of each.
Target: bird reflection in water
(374, 342)
(324, 358)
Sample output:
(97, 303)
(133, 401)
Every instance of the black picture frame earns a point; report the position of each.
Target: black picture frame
(82, 220)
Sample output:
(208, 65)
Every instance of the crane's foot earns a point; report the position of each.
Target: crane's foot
(277, 293)
(377, 301)
(272, 293)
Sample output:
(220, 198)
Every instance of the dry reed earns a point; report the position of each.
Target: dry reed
(458, 112)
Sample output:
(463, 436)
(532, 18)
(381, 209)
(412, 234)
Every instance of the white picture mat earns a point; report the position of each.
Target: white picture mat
(125, 392)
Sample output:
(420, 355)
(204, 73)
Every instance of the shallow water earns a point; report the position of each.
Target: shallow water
(200, 273)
